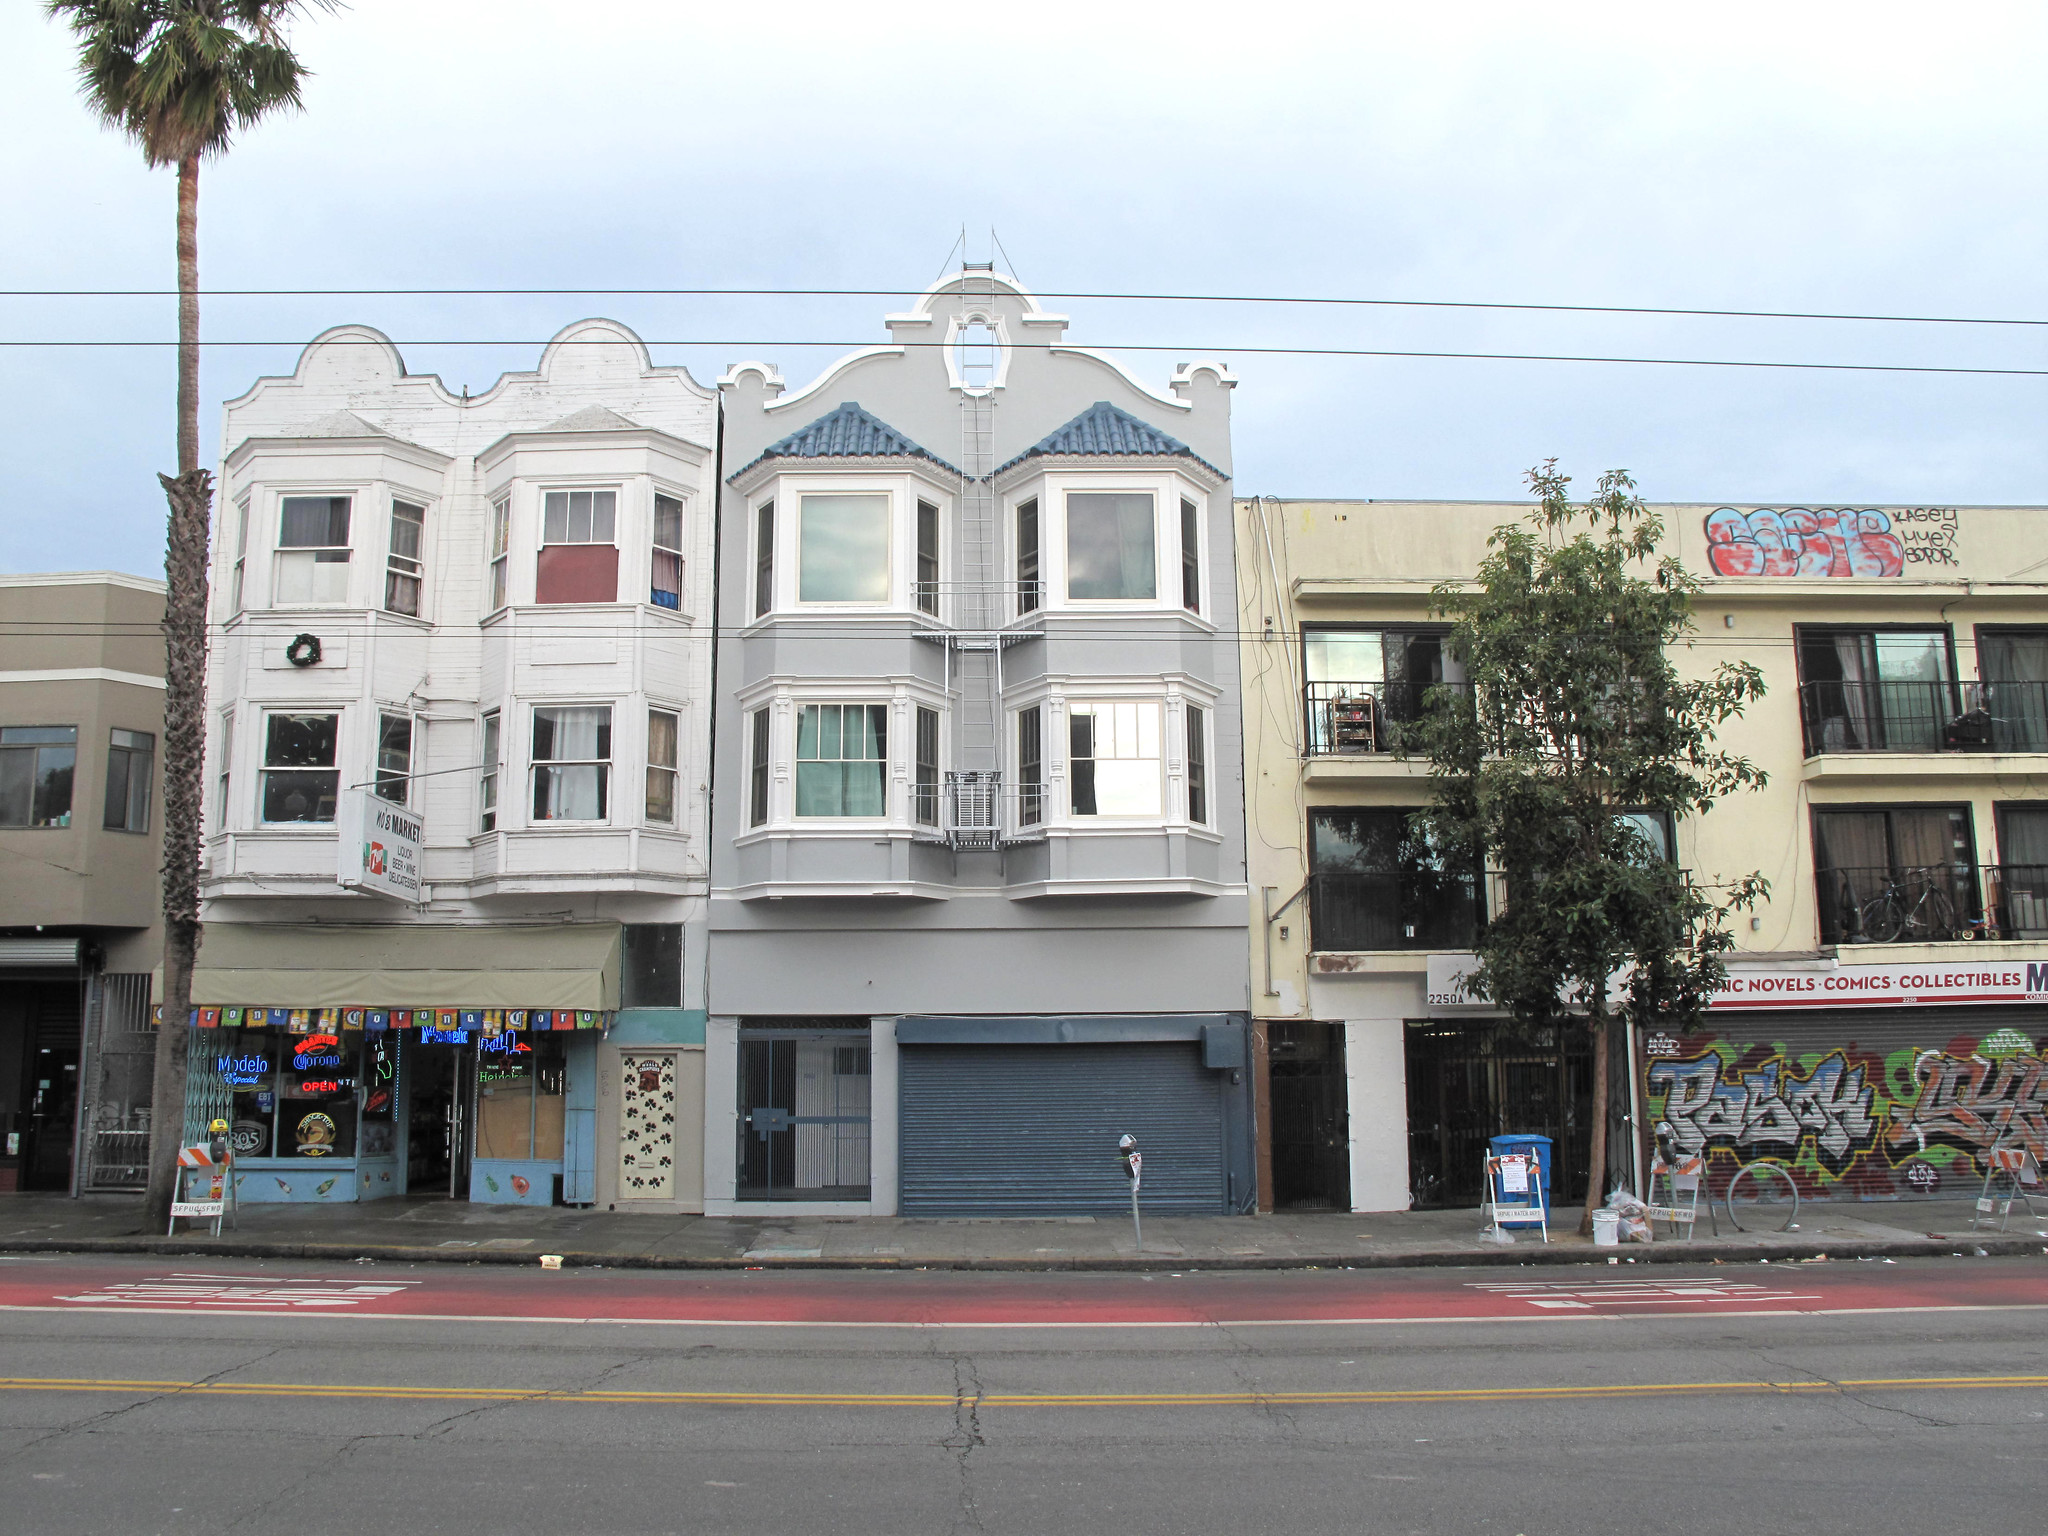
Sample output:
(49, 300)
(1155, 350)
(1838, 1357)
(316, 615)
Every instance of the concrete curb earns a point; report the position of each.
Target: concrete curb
(1491, 1257)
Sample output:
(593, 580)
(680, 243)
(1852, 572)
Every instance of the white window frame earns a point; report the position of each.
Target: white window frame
(1055, 702)
(616, 491)
(498, 573)
(609, 764)
(412, 747)
(394, 562)
(490, 778)
(673, 770)
(238, 571)
(264, 768)
(784, 702)
(655, 549)
(1168, 490)
(903, 490)
(280, 551)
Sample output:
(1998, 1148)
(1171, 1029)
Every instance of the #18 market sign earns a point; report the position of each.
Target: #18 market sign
(380, 847)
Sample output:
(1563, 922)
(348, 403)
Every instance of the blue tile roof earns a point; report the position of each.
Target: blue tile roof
(1104, 431)
(846, 433)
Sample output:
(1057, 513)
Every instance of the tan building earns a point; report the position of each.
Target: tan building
(1884, 1022)
(81, 722)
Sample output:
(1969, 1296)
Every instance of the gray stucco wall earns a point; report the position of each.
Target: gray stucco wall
(981, 933)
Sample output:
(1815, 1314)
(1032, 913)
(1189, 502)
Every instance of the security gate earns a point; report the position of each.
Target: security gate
(1031, 1130)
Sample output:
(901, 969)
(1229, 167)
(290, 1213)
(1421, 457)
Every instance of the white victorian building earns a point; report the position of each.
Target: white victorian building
(474, 632)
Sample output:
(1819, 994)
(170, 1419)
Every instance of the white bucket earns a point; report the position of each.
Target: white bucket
(1607, 1229)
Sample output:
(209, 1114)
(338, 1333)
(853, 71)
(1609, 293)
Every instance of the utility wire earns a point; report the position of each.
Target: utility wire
(890, 293)
(1183, 347)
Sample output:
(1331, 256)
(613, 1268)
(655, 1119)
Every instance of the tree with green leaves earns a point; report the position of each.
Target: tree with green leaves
(1573, 721)
(180, 78)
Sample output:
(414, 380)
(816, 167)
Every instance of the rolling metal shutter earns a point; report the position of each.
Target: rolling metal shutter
(1031, 1130)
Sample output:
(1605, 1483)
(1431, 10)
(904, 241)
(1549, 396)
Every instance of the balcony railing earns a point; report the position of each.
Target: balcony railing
(1413, 909)
(1880, 905)
(1358, 719)
(1924, 717)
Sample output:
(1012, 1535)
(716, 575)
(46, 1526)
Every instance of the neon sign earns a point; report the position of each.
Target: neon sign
(241, 1071)
(304, 1062)
(431, 1036)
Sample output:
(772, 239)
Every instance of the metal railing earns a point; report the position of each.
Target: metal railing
(1361, 718)
(1882, 905)
(1409, 909)
(1924, 717)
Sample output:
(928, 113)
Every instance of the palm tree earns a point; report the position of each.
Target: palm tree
(179, 77)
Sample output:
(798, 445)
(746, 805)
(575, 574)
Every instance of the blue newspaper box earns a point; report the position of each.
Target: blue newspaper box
(1539, 1146)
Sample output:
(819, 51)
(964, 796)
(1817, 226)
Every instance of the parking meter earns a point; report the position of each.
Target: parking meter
(1134, 1169)
(217, 1142)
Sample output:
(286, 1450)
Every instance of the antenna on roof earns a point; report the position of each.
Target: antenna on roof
(959, 245)
(996, 242)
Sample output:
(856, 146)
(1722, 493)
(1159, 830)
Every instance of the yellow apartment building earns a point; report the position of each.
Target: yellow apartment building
(1884, 1022)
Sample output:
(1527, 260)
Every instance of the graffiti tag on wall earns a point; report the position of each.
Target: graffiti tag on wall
(1856, 1123)
(1836, 542)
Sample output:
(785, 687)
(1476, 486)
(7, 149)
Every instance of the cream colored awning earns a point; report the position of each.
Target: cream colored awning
(558, 965)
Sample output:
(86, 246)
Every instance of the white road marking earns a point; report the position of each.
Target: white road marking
(1050, 1326)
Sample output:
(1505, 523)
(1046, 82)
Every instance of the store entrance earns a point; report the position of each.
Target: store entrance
(440, 1096)
(1310, 1126)
(38, 1084)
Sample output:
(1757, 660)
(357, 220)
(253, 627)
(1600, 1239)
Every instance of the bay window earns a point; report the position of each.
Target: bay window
(1198, 767)
(841, 758)
(1030, 766)
(764, 558)
(1112, 553)
(572, 751)
(927, 558)
(300, 779)
(661, 766)
(1190, 557)
(667, 589)
(758, 768)
(579, 558)
(487, 780)
(313, 551)
(393, 779)
(1029, 590)
(404, 565)
(501, 544)
(843, 549)
(1115, 767)
(926, 790)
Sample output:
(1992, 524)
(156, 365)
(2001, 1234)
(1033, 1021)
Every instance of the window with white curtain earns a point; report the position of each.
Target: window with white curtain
(572, 762)
(841, 760)
(313, 551)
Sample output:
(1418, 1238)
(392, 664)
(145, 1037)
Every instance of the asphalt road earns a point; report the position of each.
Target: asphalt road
(141, 1396)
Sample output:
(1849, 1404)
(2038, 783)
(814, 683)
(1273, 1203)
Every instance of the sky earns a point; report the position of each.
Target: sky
(1868, 159)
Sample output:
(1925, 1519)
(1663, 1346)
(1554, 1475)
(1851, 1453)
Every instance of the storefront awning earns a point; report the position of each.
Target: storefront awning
(502, 966)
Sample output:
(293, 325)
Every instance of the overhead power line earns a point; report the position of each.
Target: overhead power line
(1207, 349)
(891, 293)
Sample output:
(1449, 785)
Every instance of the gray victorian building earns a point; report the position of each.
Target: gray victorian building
(978, 900)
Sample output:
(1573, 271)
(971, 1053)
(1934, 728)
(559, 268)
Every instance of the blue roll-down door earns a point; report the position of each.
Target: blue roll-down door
(1031, 1130)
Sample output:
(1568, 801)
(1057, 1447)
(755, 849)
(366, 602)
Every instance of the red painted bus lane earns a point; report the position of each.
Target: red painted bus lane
(953, 1299)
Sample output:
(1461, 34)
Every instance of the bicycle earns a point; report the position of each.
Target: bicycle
(1911, 906)
(1762, 1184)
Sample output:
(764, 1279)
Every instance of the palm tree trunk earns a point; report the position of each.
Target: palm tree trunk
(1596, 1158)
(190, 494)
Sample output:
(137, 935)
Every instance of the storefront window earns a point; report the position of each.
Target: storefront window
(519, 1097)
(294, 1095)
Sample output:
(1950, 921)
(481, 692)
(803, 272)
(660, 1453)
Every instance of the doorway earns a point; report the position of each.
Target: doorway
(39, 1051)
(1311, 1140)
(1471, 1080)
(439, 1098)
(803, 1109)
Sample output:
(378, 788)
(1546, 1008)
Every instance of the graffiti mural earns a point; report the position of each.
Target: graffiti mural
(1849, 1122)
(1835, 542)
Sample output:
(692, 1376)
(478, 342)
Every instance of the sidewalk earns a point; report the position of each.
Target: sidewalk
(457, 1232)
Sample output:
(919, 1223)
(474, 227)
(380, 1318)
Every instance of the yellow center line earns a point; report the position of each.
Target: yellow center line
(1010, 1400)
